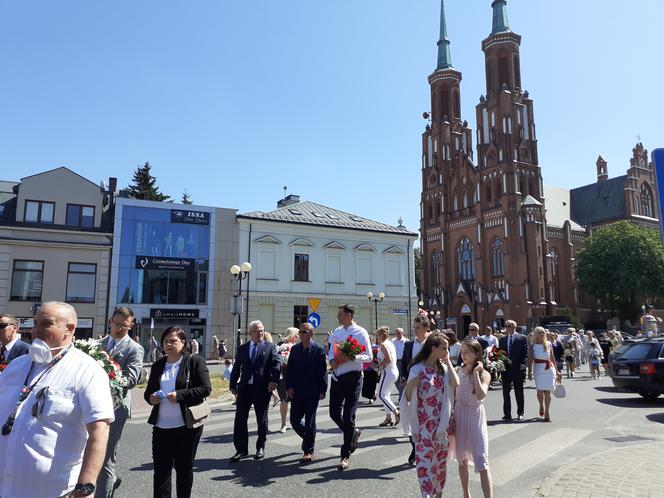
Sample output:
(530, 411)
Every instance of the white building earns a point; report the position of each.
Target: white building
(303, 251)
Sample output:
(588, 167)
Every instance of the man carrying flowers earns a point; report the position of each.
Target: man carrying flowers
(350, 347)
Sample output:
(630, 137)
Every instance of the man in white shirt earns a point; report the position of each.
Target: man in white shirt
(57, 442)
(399, 342)
(488, 336)
(347, 379)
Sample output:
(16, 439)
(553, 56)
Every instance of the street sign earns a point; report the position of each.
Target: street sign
(314, 319)
(658, 166)
(399, 312)
(313, 303)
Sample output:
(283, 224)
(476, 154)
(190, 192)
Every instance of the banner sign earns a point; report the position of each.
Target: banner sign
(658, 166)
(173, 313)
(191, 217)
(164, 263)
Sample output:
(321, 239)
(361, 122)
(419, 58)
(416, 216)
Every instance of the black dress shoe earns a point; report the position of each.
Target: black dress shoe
(117, 483)
(259, 454)
(507, 417)
(411, 458)
(239, 456)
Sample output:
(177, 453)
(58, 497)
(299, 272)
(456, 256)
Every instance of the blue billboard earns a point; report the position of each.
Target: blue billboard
(658, 165)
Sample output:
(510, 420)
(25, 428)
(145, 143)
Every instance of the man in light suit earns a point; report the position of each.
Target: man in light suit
(516, 346)
(254, 376)
(10, 345)
(129, 355)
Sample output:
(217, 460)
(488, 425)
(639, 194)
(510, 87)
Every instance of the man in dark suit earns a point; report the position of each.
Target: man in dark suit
(516, 346)
(129, 355)
(10, 345)
(254, 376)
(306, 385)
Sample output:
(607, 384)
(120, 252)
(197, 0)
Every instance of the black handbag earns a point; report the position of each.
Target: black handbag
(196, 416)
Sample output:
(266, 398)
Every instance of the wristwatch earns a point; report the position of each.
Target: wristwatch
(86, 489)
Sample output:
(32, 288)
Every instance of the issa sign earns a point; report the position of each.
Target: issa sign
(191, 217)
(658, 165)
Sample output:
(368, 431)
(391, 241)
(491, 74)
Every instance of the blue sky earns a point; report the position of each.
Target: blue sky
(234, 99)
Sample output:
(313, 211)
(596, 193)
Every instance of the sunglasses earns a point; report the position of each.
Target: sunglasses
(5, 325)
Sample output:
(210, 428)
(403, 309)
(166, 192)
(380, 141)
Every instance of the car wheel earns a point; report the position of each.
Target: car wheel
(650, 396)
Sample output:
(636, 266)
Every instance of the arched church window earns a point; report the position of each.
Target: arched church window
(489, 197)
(465, 260)
(435, 268)
(497, 261)
(647, 201)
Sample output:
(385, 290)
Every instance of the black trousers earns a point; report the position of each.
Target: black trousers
(174, 447)
(303, 420)
(259, 397)
(513, 378)
(344, 396)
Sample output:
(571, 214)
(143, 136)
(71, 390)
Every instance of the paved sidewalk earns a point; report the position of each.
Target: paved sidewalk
(633, 471)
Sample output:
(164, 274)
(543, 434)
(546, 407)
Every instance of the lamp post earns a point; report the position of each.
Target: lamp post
(239, 274)
(376, 299)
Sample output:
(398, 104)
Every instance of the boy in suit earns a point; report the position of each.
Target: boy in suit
(254, 376)
(516, 346)
(306, 385)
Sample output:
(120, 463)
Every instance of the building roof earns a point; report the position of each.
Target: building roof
(7, 200)
(599, 201)
(310, 213)
(557, 202)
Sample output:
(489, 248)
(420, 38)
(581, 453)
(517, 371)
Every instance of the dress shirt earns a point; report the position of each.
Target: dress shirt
(170, 415)
(398, 345)
(43, 456)
(339, 336)
(490, 340)
(417, 347)
(8, 348)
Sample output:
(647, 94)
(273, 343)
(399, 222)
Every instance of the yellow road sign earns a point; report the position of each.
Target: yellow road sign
(313, 303)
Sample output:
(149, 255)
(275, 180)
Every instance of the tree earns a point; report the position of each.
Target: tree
(418, 269)
(145, 185)
(622, 265)
(186, 198)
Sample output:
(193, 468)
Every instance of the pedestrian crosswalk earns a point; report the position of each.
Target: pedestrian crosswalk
(390, 446)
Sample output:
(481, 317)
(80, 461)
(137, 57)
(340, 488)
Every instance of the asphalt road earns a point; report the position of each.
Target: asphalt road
(592, 418)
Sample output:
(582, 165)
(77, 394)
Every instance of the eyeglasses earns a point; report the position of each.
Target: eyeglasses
(121, 325)
(4, 325)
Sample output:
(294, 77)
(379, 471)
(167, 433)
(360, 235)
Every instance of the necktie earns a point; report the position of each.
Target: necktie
(110, 345)
(253, 352)
(509, 344)
(3, 351)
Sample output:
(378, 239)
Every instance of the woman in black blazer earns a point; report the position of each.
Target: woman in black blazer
(177, 380)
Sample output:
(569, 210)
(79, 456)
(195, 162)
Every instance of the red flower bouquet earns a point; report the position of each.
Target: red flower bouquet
(350, 348)
(116, 380)
(497, 360)
(3, 366)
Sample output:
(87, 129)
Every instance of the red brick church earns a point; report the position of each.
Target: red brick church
(496, 242)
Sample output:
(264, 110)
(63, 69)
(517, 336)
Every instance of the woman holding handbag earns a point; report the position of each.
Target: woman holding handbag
(177, 381)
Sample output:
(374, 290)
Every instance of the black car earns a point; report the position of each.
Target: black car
(639, 367)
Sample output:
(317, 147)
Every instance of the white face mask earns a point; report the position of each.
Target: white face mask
(40, 352)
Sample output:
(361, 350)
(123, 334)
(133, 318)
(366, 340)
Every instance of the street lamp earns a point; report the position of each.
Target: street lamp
(239, 274)
(376, 299)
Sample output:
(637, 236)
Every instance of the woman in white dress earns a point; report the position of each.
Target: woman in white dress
(387, 358)
(545, 370)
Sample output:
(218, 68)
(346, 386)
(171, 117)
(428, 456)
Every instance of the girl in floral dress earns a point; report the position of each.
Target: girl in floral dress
(469, 421)
(431, 381)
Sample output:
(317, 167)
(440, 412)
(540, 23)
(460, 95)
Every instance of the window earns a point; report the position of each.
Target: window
(301, 267)
(27, 279)
(435, 269)
(497, 260)
(80, 216)
(333, 266)
(646, 201)
(555, 282)
(466, 260)
(38, 212)
(300, 314)
(81, 283)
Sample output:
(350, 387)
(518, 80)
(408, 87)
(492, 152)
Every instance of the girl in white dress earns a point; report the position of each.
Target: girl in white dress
(545, 370)
(387, 358)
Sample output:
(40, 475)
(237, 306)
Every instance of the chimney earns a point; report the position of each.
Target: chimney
(288, 201)
(602, 170)
(112, 184)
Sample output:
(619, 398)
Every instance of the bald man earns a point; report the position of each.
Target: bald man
(53, 443)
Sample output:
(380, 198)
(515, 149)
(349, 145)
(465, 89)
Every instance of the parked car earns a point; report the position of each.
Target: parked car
(639, 367)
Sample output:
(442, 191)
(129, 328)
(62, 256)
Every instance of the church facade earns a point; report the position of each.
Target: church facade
(496, 242)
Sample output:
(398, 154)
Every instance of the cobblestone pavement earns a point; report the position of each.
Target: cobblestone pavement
(633, 471)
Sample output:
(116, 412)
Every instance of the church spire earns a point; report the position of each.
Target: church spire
(444, 57)
(500, 23)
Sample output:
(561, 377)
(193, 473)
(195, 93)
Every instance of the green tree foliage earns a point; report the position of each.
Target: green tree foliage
(622, 265)
(186, 198)
(144, 185)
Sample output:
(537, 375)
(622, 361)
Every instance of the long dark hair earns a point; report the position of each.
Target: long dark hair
(434, 339)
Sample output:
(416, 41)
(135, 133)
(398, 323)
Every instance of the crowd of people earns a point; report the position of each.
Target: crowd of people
(52, 394)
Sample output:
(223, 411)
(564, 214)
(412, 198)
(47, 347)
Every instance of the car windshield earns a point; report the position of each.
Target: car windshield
(641, 351)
